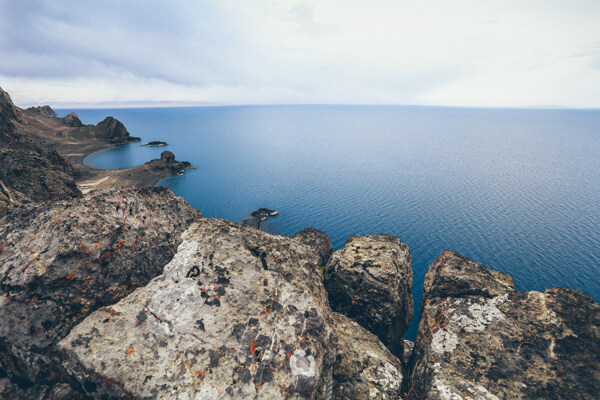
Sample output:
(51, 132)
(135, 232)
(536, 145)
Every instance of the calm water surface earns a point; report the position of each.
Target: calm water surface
(515, 189)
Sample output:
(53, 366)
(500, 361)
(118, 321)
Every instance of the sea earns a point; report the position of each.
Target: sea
(517, 190)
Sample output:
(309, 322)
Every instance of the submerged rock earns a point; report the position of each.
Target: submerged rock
(364, 367)
(61, 262)
(370, 280)
(238, 313)
(478, 338)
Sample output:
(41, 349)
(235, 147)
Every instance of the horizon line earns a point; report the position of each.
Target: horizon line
(178, 104)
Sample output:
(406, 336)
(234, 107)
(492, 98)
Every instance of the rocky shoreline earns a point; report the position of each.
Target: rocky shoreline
(37, 137)
(129, 292)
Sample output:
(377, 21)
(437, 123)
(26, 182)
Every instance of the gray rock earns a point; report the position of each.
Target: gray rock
(370, 280)
(478, 338)
(238, 313)
(61, 262)
(364, 367)
(316, 239)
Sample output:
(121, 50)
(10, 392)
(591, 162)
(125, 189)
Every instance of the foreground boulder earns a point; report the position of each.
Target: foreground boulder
(370, 280)
(364, 367)
(61, 262)
(478, 338)
(237, 314)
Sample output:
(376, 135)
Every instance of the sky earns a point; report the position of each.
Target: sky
(112, 53)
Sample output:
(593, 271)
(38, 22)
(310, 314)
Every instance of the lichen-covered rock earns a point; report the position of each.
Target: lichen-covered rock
(317, 239)
(60, 262)
(370, 280)
(478, 338)
(364, 367)
(237, 314)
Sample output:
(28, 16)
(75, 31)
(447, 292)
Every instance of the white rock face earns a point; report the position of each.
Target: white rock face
(238, 313)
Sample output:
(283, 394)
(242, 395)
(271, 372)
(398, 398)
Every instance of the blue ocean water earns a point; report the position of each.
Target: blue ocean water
(515, 189)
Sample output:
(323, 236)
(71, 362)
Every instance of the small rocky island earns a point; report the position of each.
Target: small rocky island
(155, 143)
(257, 217)
(129, 292)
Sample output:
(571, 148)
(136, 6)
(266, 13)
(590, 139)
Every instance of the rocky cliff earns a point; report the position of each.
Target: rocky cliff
(114, 131)
(479, 338)
(130, 294)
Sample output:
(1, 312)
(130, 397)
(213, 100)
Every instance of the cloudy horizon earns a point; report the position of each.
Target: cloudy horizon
(231, 52)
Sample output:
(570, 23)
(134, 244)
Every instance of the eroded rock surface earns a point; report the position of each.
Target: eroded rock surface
(237, 314)
(478, 338)
(30, 176)
(61, 262)
(370, 280)
(316, 239)
(364, 367)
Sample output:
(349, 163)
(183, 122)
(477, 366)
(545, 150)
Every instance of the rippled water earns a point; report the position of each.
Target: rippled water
(517, 190)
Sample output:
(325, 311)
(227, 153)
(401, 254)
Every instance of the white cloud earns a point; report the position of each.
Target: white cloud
(478, 53)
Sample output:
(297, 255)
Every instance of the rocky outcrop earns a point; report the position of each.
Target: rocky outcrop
(238, 313)
(167, 161)
(364, 367)
(370, 280)
(316, 239)
(72, 120)
(46, 111)
(34, 176)
(478, 338)
(257, 217)
(114, 131)
(155, 143)
(63, 261)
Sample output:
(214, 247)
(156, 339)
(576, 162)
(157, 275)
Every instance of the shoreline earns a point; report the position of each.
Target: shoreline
(76, 143)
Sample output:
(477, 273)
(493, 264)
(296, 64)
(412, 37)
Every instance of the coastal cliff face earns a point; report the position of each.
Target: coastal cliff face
(370, 280)
(29, 172)
(479, 338)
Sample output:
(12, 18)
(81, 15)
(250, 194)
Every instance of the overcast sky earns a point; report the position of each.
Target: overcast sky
(142, 52)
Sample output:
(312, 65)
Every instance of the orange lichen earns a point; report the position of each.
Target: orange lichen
(129, 351)
(252, 346)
